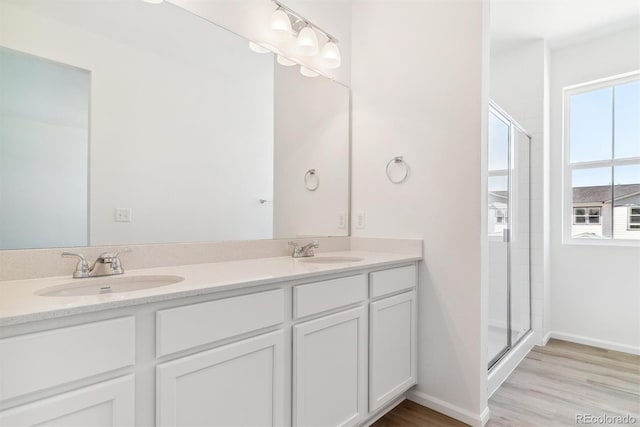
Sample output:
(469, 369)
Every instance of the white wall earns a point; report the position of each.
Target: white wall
(250, 19)
(44, 146)
(311, 132)
(417, 92)
(595, 291)
(159, 104)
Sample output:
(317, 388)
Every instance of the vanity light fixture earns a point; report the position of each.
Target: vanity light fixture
(331, 54)
(298, 41)
(307, 41)
(258, 48)
(308, 72)
(283, 60)
(281, 23)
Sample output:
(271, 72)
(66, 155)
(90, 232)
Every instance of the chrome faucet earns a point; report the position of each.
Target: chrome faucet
(107, 264)
(304, 251)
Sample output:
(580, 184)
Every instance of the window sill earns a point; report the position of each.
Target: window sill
(602, 242)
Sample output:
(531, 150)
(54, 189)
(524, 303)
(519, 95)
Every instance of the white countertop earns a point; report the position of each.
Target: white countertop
(20, 304)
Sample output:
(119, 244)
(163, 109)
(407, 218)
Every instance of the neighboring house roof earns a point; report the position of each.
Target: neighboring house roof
(602, 193)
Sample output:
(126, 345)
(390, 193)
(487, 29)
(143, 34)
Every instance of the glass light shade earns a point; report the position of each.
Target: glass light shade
(307, 72)
(258, 48)
(307, 42)
(280, 23)
(285, 61)
(331, 55)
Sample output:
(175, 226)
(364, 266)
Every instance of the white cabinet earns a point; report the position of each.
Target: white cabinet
(37, 361)
(110, 403)
(392, 348)
(312, 369)
(330, 370)
(240, 384)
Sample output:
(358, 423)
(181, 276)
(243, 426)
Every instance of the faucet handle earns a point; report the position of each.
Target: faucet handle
(116, 264)
(297, 249)
(121, 251)
(82, 267)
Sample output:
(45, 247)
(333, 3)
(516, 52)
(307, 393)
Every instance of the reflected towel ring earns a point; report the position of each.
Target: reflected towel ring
(309, 183)
(402, 175)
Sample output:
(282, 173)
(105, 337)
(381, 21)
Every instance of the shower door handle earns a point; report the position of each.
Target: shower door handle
(506, 235)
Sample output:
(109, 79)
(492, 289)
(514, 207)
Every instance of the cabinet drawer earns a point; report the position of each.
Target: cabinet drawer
(41, 360)
(329, 294)
(185, 327)
(393, 280)
(109, 403)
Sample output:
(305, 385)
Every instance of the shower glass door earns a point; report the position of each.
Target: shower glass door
(508, 234)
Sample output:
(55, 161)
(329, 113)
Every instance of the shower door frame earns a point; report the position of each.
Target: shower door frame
(513, 125)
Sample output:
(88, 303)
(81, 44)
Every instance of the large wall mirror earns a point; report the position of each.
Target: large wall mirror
(124, 122)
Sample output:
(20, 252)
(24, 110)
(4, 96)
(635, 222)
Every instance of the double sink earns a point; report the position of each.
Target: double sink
(110, 284)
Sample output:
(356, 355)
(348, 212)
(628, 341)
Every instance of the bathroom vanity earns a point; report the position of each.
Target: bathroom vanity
(131, 123)
(261, 342)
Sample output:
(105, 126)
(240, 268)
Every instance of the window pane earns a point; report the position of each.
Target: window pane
(591, 192)
(627, 198)
(591, 177)
(591, 125)
(498, 183)
(635, 211)
(498, 144)
(627, 120)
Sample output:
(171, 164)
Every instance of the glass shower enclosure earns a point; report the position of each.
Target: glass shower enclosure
(508, 234)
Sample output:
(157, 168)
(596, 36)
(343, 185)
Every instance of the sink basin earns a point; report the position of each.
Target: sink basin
(106, 285)
(330, 259)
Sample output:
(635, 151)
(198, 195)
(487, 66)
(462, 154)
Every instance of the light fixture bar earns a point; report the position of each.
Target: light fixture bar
(296, 15)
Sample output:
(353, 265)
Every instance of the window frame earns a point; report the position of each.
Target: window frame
(630, 215)
(587, 215)
(568, 167)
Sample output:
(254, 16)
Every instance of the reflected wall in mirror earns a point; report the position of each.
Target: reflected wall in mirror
(44, 147)
(148, 124)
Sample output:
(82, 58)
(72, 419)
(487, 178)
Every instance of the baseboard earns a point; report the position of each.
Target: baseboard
(501, 371)
(609, 345)
(383, 411)
(453, 411)
(546, 339)
(484, 417)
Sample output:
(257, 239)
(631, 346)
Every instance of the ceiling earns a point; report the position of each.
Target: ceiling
(560, 22)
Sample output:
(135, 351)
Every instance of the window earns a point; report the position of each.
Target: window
(602, 159)
(634, 218)
(586, 215)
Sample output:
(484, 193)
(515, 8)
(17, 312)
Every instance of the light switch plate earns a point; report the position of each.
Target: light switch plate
(342, 221)
(123, 215)
(360, 219)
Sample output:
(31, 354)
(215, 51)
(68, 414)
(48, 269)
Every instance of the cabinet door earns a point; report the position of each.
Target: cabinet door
(240, 384)
(110, 403)
(393, 348)
(330, 370)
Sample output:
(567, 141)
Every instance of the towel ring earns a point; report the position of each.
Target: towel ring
(403, 175)
(309, 182)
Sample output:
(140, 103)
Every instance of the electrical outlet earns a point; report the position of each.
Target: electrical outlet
(123, 215)
(360, 219)
(342, 221)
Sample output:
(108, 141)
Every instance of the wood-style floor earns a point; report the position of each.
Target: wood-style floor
(551, 386)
